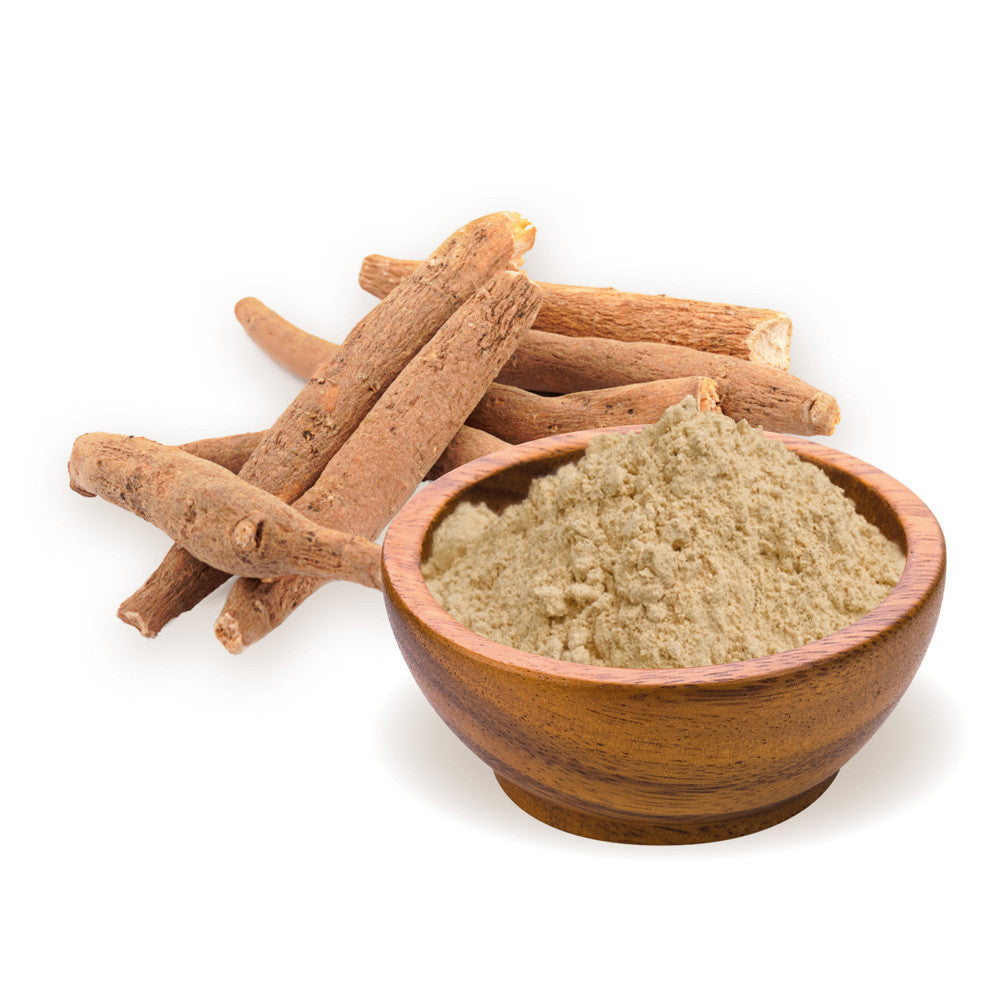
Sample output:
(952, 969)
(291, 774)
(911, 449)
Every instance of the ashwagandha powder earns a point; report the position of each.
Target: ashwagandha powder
(696, 541)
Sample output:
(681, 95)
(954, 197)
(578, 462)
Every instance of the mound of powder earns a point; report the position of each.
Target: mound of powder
(696, 541)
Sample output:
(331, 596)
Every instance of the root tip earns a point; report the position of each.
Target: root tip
(245, 309)
(823, 413)
(708, 396)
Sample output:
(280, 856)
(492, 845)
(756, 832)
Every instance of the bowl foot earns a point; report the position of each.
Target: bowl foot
(599, 827)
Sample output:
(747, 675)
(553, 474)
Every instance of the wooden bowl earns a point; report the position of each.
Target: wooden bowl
(674, 755)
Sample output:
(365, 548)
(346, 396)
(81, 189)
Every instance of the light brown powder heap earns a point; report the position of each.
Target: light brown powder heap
(696, 541)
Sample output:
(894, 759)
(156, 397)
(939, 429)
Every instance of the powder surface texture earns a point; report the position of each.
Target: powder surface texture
(696, 541)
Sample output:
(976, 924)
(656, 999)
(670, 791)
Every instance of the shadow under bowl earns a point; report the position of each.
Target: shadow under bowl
(663, 756)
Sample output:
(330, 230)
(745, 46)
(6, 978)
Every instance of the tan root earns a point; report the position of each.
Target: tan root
(384, 460)
(760, 335)
(293, 453)
(227, 523)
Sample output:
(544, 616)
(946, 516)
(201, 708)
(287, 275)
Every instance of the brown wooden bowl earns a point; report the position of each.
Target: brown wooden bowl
(674, 755)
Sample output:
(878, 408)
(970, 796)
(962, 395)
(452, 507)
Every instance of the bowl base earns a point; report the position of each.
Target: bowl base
(598, 827)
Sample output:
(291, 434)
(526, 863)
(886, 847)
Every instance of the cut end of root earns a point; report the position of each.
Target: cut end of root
(708, 396)
(770, 342)
(138, 622)
(370, 270)
(823, 413)
(523, 233)
(228, 632)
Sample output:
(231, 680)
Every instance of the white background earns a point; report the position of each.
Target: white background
(296, 821)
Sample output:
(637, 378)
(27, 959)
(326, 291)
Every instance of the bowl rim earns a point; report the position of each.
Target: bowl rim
(402, 575)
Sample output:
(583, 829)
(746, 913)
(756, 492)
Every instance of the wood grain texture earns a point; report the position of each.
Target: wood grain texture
(664, 756)
(761, 335)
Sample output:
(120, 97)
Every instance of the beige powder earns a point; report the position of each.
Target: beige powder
(696, 541)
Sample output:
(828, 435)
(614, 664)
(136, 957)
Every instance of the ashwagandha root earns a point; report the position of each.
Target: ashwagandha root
(761, 395)
(467, 445)
(523, 416)
(183, 587)
(509, 414)
(233, 450)
(178, 584)
(295, 350)
(225, 522)
(546, 362)
(335, 399)
(293, 453)
(383, 461)
(760, 335)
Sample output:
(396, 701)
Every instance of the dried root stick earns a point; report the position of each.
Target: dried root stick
(523, 416)
(335, 399)
(294, 349)
(759, 394)
(384, 460)
(232, 451)
(333, 402)
(225, 522)
(760, 335)
(467, 445)
(505, 412)
(548, 362)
